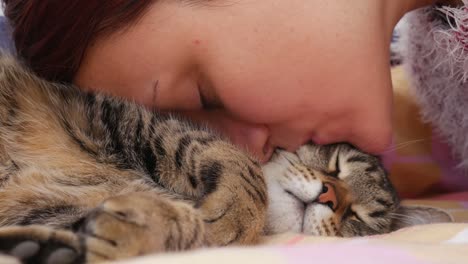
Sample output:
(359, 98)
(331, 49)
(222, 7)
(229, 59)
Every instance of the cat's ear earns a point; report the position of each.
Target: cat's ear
(419, 215)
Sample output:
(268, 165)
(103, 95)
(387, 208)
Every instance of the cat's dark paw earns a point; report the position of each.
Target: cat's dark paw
(41, 245)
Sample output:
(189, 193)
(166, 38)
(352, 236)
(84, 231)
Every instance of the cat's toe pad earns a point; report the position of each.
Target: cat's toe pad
(37, 244)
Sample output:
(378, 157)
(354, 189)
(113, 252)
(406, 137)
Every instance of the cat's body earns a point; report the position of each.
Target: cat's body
(88, 178)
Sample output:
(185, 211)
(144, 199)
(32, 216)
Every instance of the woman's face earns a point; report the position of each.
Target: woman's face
(267, 73)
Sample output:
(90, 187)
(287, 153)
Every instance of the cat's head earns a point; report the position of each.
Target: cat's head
(336, 190)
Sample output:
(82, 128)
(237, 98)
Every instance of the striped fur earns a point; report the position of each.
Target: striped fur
(102, 178)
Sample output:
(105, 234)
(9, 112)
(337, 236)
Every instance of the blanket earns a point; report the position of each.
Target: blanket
(425, 244)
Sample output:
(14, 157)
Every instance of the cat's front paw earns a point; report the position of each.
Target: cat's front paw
(141, 223)
(41, 245)
(233, 218)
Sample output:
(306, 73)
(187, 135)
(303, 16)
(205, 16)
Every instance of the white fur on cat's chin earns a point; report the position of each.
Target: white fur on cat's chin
(285, 213)
(314, 215)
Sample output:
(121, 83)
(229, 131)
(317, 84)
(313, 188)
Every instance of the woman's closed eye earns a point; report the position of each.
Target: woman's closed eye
(203, 100)
(207, 100)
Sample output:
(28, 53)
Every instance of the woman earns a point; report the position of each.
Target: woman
(266, 73)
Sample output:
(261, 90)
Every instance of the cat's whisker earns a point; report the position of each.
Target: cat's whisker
(405, 144)
(404, 220)
(407, 219)
(289, 160)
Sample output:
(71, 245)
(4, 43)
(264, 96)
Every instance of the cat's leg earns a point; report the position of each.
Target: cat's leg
(123, 226)
(227, 186)
(231, 209)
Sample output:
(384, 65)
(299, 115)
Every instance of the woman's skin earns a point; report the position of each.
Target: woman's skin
(268, 73)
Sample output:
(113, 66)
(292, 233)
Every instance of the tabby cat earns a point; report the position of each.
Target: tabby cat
(89, 178)
(336, 190)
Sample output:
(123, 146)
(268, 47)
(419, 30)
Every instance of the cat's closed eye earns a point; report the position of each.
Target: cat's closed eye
(334, 168)
(351, 215)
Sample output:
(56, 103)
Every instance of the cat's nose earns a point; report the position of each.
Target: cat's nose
(328, 196)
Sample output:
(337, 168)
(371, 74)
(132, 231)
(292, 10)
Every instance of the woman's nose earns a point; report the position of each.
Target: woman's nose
(255, 138)
(250, 137)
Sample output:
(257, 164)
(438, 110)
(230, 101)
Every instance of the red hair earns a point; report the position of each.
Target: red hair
(52, 36)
